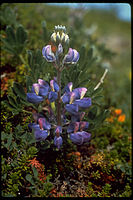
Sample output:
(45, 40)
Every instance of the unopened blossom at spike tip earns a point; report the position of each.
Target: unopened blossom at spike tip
(58, 37)
(60, 49)
(53, 37)
(48, 54)
(63, 37)
(58, 141)
(80, 137)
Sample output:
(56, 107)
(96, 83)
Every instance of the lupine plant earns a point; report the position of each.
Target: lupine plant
(65, 106)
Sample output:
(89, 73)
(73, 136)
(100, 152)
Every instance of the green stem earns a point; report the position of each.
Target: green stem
(59, 98)
(27, 111)
(22, 59)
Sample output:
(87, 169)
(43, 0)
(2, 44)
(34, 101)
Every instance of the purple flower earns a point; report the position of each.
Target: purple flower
(38, 92)
(72, 108)
(76, 57)
(58, 141)
(72, 56)
(54, 86)
(76, 126)
(33, 98)
(59, 50)
(80, 137)
(52, 96)
(78, 117)
(83, 103)
(79, 92)
(58, 130)
(68, 87)
(73, 127)
(44, 124)
(38, 133)
(69, 95)
(48, 54)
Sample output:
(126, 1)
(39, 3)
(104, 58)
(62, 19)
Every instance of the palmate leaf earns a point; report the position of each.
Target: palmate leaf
(11, 35)
(21, 35)
(19, 90)
(14, 43)
(7, 16)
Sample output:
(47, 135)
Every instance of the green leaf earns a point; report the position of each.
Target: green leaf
(92, 113)
(35, 172)
(12, 101)
(10, 35)
(97, 91)
(29, 178)
(19, 90)
(29, 83)
(30, 58)
(90, 53)
(21, 35)
(9, 141)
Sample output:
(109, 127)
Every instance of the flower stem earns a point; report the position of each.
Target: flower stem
(101, 80)
(22, 59)
(59, 98)
(27, 111)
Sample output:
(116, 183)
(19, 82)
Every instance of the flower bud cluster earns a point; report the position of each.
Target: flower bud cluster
(60, 36)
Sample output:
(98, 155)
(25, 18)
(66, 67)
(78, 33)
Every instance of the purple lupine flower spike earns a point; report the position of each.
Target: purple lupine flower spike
(48, 54)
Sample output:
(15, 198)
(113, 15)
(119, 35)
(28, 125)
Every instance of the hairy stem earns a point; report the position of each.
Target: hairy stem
(59, 98)
(101, 80)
